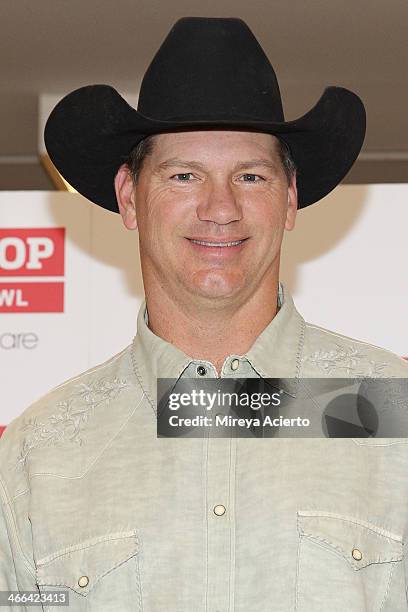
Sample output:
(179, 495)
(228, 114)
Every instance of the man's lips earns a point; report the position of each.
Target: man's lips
(216, 242)
(217, 248)
(209, 239)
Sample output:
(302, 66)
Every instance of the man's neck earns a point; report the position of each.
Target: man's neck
(212, 334)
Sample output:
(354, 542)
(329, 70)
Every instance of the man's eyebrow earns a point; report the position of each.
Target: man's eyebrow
(255, 163)
(180, 163)
(183, 163)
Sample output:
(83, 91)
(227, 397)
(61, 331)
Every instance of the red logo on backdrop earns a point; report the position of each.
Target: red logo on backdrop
(35, 252)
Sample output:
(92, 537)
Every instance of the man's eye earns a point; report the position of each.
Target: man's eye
(251, 178)
(183, 176)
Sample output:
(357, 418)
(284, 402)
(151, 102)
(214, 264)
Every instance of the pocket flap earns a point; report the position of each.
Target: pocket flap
(360, 543)
(81, 566)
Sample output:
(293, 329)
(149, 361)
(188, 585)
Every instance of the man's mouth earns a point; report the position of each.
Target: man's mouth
(217, 244)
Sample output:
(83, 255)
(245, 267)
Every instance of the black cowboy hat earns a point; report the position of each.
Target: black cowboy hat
(208, 73)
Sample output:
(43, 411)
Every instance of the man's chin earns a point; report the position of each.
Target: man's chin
(214, 293)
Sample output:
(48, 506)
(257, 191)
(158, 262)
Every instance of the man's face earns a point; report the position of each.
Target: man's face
(216, 187)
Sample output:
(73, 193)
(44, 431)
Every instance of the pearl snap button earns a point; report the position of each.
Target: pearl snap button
(83, 581)
(201, 370)
(357, 554)
(235, 364)
(219, 510)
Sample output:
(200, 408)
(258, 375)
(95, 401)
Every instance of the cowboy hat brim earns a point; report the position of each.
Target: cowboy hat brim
(91, 131)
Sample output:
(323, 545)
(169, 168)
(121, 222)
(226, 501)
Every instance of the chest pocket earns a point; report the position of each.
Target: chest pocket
(100, 574)
(346, 564)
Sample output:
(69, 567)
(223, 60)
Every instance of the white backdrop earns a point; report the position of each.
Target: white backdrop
(344, 263)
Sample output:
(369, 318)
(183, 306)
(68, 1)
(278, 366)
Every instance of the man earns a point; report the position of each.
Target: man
(93, 503)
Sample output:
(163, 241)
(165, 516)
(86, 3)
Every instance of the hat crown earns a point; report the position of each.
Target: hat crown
(212, 68)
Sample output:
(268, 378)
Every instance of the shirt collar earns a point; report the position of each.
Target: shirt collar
(276, 353)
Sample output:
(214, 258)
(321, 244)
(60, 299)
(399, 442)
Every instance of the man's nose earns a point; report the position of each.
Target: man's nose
(219, 204)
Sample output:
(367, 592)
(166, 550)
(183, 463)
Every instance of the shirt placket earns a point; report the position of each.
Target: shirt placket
(220, 513)
(219, 496)
(220, 504)
(220, 524)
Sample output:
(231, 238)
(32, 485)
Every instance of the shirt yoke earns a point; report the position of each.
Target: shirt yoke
(328, 353)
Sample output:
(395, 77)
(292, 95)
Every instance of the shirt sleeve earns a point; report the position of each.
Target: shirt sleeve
(16, 574)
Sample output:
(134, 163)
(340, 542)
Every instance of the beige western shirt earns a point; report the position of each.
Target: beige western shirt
(92, 502)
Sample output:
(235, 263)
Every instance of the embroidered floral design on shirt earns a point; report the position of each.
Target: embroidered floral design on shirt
(348, 361)
(388, 396)
(70, 416)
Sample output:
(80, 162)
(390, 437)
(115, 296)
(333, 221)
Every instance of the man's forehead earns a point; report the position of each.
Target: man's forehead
(200, 140)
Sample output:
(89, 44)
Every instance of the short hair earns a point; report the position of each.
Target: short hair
(286, 158)
(144, 147)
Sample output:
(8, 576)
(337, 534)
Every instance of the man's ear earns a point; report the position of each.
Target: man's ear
(125, 195)
(292, 204)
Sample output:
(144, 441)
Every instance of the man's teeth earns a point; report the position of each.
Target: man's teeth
(217, 244)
